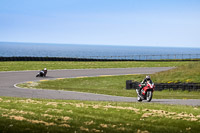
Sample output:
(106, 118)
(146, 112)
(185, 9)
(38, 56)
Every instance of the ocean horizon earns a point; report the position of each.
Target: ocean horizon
(10, 49)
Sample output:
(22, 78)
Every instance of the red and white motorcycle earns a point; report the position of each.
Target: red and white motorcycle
(146, 92)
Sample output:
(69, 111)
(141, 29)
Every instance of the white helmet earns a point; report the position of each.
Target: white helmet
(148, 77)
(45, 68)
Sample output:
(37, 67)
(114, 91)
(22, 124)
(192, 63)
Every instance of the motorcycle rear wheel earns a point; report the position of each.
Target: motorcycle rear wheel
(149, 96)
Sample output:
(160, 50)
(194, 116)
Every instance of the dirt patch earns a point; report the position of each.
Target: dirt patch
(84, 129)
(198, 116)
(172, 115)
(96, 106)
(54, 110)
(96, 130)
(145, 115)
(89, 122)
(104, 125)
(140, 131)
(69, 111)
(28, 101)
(47, 115)
(19, 118)
(78, 105)
(7, 101)
(122, 108)
(14, 111)
(66, 118)
(64, 125)
(52, 103)
(41, 122)
(3, 109)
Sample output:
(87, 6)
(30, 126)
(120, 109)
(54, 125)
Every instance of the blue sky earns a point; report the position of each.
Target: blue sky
(107, 22)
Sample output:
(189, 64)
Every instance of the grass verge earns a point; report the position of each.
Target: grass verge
(52, 65)
(34, 115)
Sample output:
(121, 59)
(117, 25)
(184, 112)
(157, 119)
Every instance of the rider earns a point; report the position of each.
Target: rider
(45, 71)
(143, 83)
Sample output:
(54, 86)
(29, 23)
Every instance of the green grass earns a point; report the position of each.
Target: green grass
(114, 85)
(52, 65)
(186, 73)
(34, 115)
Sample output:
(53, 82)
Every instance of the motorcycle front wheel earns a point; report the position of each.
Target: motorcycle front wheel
(149, 96)
(139, 99)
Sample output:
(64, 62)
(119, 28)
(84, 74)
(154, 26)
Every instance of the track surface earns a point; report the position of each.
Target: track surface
(8, 79)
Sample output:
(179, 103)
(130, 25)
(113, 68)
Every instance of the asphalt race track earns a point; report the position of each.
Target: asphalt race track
(9, 79)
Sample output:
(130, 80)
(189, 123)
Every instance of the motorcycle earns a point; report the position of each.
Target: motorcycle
(41, 74)
(146, 92)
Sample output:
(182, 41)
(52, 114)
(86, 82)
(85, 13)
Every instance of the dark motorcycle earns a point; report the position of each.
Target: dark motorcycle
(42, 73)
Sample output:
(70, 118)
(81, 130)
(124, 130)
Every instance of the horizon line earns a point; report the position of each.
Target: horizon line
(126, 45)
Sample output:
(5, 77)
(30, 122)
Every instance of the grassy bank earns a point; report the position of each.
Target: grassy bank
(52, 65)
(32, 115)
(186, 73)
(114, 85)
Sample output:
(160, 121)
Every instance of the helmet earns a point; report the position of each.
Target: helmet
(45, 68)
(148, 77)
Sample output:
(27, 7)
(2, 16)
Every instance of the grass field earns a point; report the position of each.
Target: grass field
(34, 115)
(114, 85)
(52, 65)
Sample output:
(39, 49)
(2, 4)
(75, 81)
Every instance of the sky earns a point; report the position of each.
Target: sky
(174, 23)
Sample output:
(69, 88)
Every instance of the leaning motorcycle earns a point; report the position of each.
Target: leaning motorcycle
(41, 74)
(146, 92)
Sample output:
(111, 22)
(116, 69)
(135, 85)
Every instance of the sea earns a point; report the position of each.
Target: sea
(16, 49)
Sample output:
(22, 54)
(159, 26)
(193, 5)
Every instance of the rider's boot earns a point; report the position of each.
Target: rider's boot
(140, 92)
